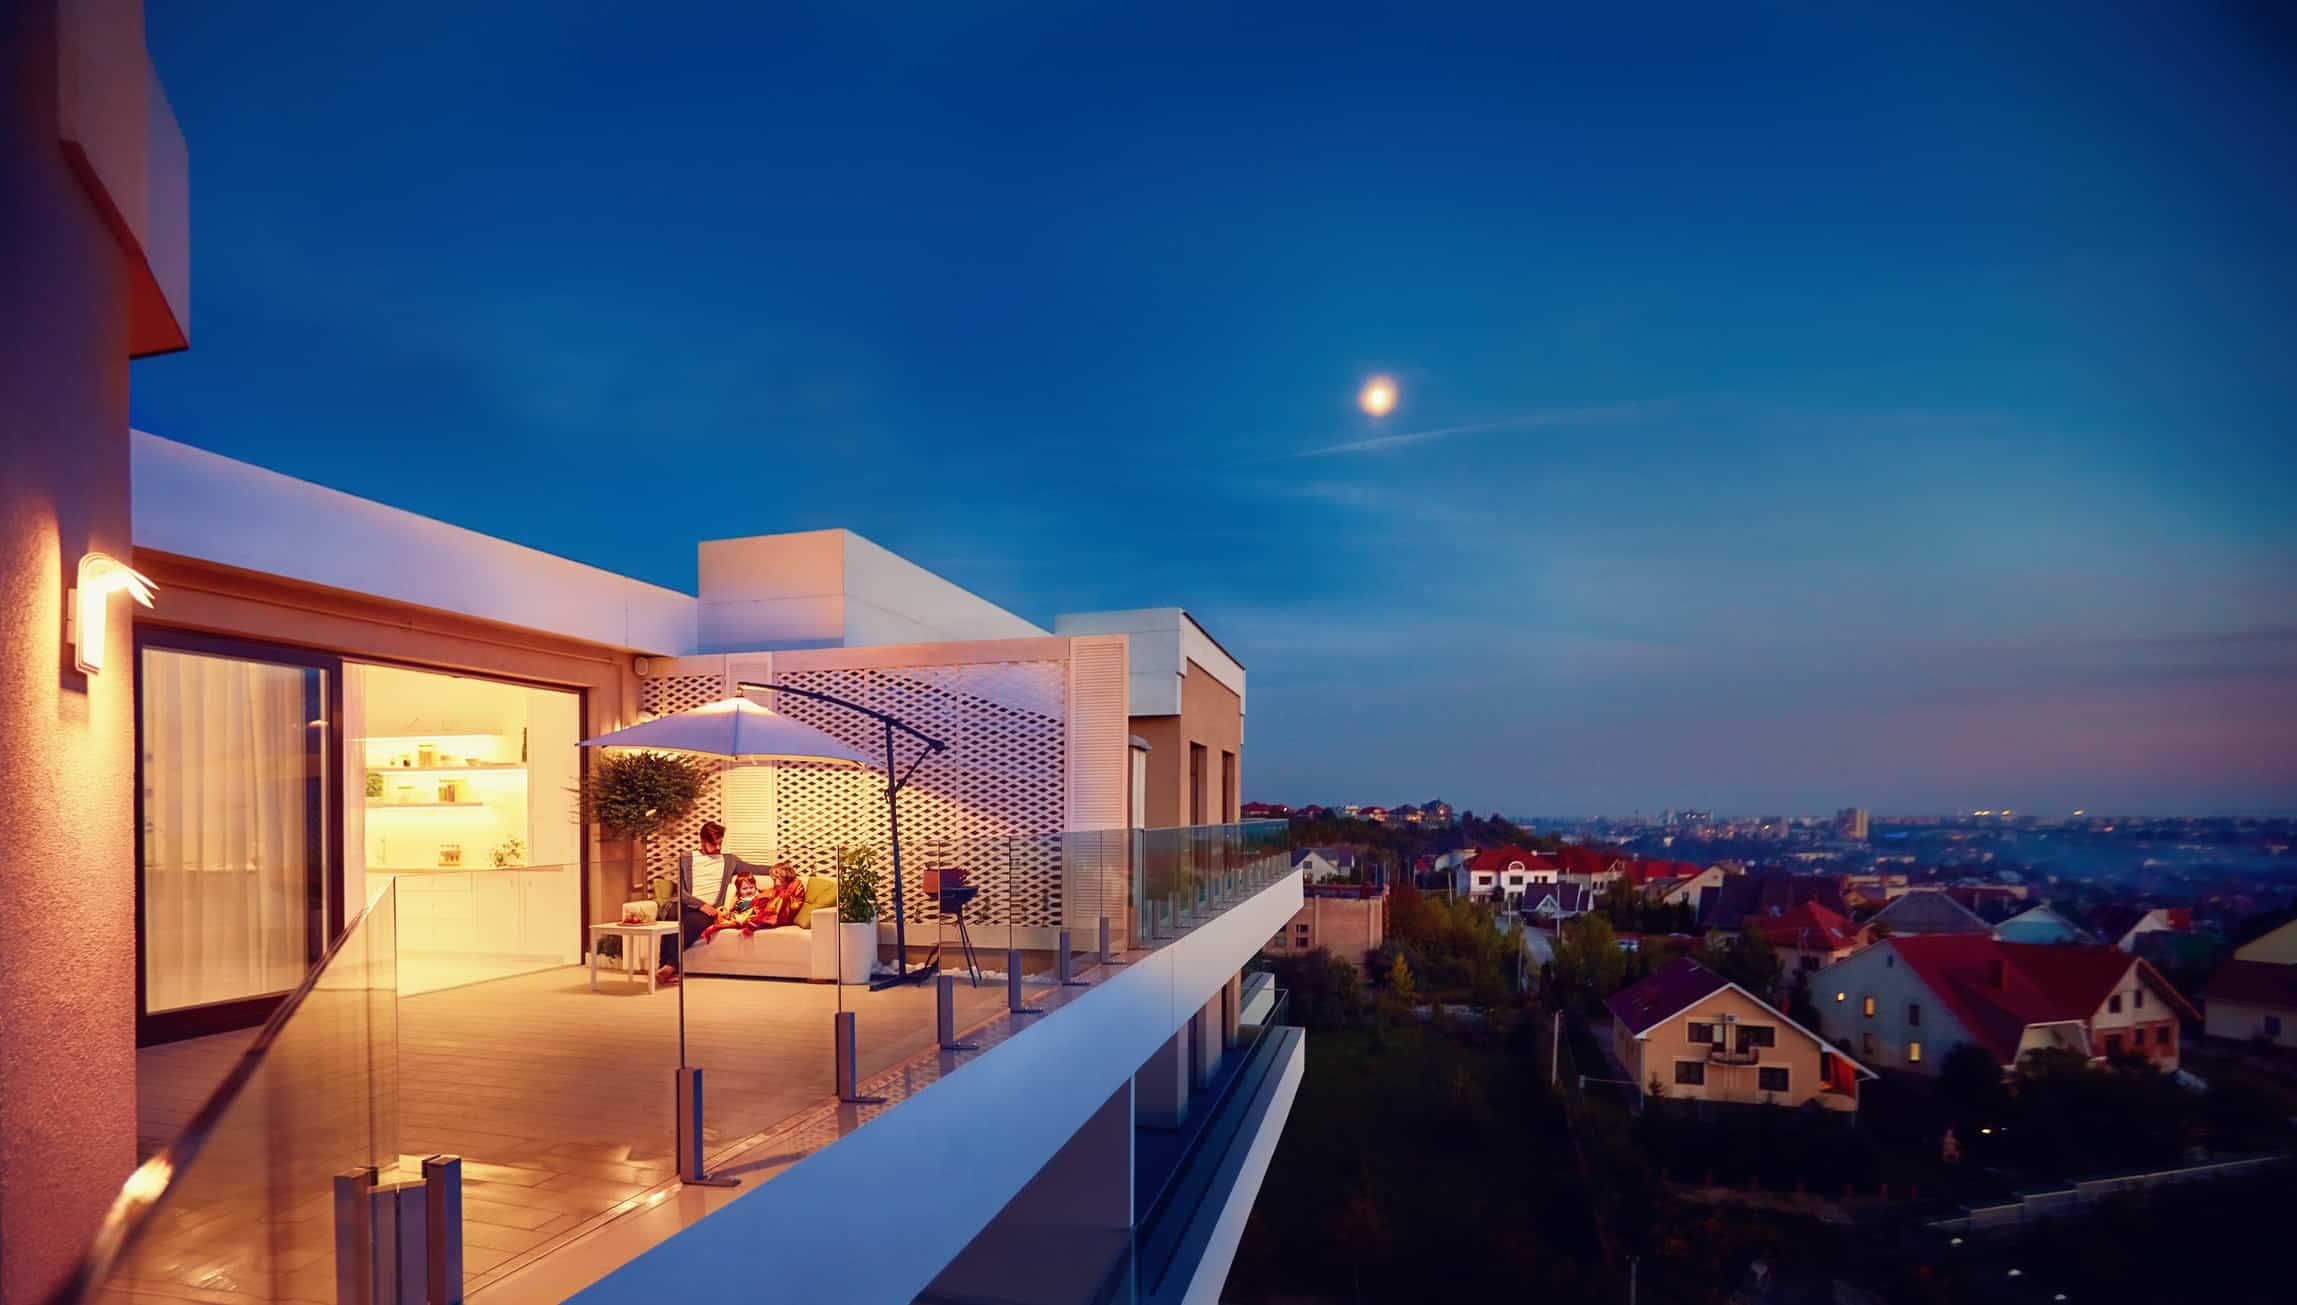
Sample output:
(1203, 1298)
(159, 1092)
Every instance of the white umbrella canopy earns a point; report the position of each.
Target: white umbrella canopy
(734, 727)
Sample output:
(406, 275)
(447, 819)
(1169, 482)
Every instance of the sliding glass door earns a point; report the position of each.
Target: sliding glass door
(238, 844)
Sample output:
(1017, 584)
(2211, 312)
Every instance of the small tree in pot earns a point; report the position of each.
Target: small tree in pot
(857, 882)
(635, 795)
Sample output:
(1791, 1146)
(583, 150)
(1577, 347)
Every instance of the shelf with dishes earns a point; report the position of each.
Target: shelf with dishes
(465, 768)
(378, 805)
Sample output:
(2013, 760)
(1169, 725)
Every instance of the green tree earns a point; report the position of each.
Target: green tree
(1400, 985)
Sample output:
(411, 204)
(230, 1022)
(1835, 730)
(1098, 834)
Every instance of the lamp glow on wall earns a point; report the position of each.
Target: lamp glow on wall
(101, 576)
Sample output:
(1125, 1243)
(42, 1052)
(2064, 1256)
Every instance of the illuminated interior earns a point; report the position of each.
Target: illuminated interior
(463, 789)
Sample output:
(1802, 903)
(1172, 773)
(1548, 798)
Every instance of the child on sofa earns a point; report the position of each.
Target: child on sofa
(744, 911)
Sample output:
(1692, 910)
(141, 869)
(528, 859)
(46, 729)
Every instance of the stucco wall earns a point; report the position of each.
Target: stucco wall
(2240, 1020)
(67, 981)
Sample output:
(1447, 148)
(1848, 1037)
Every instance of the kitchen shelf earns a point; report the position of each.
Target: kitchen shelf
(421, 738)
(421, 806)
(483, 767)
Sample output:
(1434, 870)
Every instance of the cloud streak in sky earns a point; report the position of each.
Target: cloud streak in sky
(1528, 421)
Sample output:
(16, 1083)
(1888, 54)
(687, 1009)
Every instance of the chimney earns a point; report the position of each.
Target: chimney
(1997, 974)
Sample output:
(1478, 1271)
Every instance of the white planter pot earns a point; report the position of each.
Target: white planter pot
(856, 952)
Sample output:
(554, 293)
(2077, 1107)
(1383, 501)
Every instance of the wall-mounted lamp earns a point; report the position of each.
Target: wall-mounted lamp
(101, 576)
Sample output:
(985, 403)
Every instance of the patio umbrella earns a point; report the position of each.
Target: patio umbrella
(737, 729)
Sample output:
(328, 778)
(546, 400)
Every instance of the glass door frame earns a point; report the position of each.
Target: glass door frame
(323, 900)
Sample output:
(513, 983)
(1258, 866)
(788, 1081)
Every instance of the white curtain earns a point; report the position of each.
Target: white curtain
(226, 839)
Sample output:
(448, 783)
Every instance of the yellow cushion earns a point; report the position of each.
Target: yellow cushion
(821, 891)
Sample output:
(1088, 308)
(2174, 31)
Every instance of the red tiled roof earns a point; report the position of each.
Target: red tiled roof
(2255, 983)
(2040, 983)
(1810, 926)
(1497, 858)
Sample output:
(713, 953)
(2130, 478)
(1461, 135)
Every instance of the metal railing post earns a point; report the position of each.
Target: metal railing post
(1068, 966)
(945, 1014)
(1013, 1001)
(1104, 952)
(688, 1116)
(848, 1053)
(354, 1237)
(443, 1227)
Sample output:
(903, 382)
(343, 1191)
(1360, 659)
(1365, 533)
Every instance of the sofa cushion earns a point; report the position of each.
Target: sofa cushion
(821, 891)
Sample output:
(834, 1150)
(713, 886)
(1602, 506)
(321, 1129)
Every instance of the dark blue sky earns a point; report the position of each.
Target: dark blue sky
(1876, 410)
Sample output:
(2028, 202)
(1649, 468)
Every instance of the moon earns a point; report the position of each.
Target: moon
(1378, 397)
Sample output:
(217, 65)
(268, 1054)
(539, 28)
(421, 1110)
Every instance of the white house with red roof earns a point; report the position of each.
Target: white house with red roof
(1505, 872)
(1907, 1001)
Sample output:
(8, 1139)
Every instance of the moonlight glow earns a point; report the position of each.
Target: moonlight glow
(1378, 396)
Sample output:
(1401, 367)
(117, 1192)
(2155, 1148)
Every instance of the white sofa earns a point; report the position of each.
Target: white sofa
(785, 953)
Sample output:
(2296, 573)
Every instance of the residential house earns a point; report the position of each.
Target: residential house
(1687, 1033)
(1505, 873)
(1688, 890)
(2254, 995)
(1809, 937)
(1758, 894)
(1908, 1000)
(1348, 920)
(1992, 903)
(1871, 891)
(1925, 911)
(1334, 861)
(1557, 901)
(2040, 923)
(2121, 925)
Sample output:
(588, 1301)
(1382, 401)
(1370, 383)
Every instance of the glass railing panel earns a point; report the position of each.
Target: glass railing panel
(241, 1203)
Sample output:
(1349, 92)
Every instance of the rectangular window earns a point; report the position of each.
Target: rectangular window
(1866, 1043)
(2137, 999)
(1228, 787)
(1771, 1078)
(1690, 1073)
(2114, 1004)
(1196, 783)
(1277, 941)
(2113, 1044)
(1757, 1035)
(2161, 1036)
(1869, 1005)
(1913, 1053)
(1300, 928)
(2273, 1026)
(1702, 1033)
(1914, 1012)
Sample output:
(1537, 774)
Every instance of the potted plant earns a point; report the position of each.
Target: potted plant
(856, 911)
(636, 795)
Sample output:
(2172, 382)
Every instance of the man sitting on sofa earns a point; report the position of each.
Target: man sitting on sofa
(702, 880)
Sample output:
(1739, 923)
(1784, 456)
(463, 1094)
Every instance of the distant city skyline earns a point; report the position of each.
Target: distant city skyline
(1862, 407)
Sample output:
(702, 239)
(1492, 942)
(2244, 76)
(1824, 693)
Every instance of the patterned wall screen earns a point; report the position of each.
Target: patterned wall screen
(1004, 774)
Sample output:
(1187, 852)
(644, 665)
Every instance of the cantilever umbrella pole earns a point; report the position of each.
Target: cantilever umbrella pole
(895, 780)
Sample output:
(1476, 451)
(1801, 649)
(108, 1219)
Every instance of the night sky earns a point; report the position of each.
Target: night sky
(1799, 409)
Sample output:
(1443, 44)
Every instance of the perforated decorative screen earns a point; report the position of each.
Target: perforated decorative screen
(1003, 774)
(1007, 772)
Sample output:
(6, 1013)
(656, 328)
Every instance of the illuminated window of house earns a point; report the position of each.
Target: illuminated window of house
(1914, 1053)
(1868, 1006)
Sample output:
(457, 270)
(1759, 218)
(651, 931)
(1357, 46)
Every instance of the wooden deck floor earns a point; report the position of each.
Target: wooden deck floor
(557, 1098)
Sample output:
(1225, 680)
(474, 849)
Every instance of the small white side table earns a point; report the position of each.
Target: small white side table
(631, 935)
